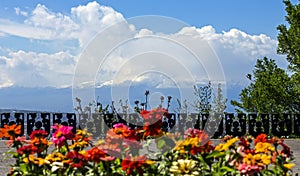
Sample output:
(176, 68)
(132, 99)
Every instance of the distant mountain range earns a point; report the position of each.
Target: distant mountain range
(60, 100)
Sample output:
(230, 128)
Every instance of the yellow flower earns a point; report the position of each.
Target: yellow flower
(150, 162)
(225, 146)
(79, 144)
(257, 159)
(289, 165)
(249, 159)
(266, 159)
(264, 147)
(35, 160)
(189, 142)
(184, 167)
(82, 152)
(54, 157)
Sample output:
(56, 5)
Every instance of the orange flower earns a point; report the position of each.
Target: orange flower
(10, 131)
(260, 138)
(95, 154)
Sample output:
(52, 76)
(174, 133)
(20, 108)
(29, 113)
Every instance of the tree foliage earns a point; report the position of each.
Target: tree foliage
(270, 90)
(289, 36)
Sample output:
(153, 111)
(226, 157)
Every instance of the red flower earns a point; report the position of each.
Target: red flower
(207, 148)
(123, 131)
(260, 138)
(286, 150)
(134, 164)
(154, 115)
(204, 145)
(245, 143)
(76, 160)
(96, 155)
(153, 121)
(38, 134)
(152, 130)
(27, 149)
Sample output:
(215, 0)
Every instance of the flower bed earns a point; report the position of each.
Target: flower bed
(147, 150)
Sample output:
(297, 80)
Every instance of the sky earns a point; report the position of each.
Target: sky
(44, 43)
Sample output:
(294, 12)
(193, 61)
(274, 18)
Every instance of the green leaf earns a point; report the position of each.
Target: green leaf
(161, 143)
(23, 167)
(226, 169)
(216, 154)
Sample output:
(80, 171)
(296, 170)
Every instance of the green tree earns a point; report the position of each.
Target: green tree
(289, 36)
(289, 45)
(270, 90)
(219, 101)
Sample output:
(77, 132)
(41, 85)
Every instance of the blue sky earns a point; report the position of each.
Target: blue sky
(41, 42)
(253, 17)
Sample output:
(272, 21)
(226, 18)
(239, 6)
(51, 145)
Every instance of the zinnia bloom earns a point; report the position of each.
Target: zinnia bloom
(38, 134)
(10, 131)
(123, 131)
(153, 121)
(249, 169)
(134, 164)
(264, 147)
(191, 132)
(61, 134)
(225, 146)
(40, 143)
(27, 149)
(184, 167)
(96, 155)
(55, 157)
(35, 160)
(79, 145)
(76, 159)
(260, 138)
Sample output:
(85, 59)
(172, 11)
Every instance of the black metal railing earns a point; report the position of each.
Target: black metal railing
(281, 125)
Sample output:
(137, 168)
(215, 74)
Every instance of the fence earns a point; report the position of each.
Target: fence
(281, 125)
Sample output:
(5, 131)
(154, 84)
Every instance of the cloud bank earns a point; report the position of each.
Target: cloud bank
(237, 51)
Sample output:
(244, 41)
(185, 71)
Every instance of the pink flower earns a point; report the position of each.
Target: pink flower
(18, 141)
(249, 169)
(121, 125)
(61, 134)
(191, 132)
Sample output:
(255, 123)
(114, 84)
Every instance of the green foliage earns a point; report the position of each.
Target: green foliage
(270, 90)
(289, 36)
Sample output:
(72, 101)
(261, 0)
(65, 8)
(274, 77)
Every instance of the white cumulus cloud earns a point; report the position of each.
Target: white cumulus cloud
(235, 50)
(30, 69)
